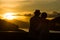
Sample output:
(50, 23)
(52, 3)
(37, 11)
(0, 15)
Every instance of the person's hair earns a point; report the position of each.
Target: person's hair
(44, 15)
(37, 12)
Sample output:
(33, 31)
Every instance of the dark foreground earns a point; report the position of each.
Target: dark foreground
(19, 35)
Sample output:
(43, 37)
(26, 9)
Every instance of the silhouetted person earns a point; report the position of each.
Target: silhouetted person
(44, 24)
(34, 24)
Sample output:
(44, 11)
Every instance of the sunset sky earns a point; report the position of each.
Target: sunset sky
(8, 8)
(29, 5)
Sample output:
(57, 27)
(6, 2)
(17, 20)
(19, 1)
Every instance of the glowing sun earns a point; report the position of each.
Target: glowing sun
(9, 16)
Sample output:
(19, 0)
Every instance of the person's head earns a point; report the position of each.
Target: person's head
(44, 15)
(37, 12)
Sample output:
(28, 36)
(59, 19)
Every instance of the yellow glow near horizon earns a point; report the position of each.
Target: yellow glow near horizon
(9, 16)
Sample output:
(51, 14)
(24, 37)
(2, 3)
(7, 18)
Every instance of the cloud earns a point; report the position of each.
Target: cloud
(30, 5)
(44, 5)
(44, 0)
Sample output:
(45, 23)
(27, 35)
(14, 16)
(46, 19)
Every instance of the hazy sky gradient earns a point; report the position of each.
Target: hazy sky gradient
(30, 5)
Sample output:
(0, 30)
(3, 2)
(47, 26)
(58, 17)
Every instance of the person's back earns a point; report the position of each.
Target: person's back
(34, 23)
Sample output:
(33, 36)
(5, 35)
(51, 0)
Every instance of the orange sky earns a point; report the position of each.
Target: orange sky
(29, 5)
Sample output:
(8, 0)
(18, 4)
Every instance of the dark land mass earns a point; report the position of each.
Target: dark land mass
(22, 35)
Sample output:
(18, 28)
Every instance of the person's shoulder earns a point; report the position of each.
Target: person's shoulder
(32, 17)
(47, 20)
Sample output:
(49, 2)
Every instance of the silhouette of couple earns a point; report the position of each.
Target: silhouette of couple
(39, 26)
